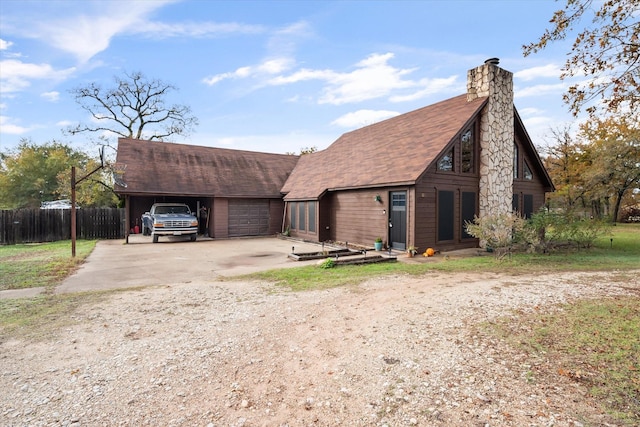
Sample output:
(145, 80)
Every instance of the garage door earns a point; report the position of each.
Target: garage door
(248, 218)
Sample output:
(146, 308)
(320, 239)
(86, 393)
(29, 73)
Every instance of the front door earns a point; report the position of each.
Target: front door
(398, 220)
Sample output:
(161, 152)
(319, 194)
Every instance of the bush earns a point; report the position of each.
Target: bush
(497, 231)
(543, 232)
(327, 263)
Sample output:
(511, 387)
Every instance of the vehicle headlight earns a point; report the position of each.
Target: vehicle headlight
(194, 223)
(158, 224)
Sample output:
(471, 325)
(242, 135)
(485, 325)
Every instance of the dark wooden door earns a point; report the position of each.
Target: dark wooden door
(398, 220)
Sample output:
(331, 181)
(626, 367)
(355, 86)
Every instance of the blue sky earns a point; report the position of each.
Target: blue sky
(271, 76)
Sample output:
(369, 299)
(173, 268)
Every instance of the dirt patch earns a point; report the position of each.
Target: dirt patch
(394, 351)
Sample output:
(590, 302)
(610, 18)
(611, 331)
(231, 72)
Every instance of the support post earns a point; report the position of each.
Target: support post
(73, 211)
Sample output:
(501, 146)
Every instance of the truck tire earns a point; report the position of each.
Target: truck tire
(155, 238)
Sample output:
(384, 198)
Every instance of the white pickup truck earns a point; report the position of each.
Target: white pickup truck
(170, 219)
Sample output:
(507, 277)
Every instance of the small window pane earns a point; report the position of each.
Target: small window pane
(445, 163)
(292, 213)
(311, 207)
(301, 216)
(527, 172)
(467, 152)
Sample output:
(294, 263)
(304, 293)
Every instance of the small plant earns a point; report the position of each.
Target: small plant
(412, 250)
(327, 263)
(378, 240)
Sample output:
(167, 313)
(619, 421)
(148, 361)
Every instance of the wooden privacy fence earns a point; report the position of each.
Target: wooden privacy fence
(50, 225)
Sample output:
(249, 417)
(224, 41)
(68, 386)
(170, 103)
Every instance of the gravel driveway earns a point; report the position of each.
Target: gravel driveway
(389, 352)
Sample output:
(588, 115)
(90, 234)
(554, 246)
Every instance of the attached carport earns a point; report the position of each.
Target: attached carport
(239, 189)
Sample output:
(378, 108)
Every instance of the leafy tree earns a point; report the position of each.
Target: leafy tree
(566, 161)
(614, 150)
(135, 108)
(304, 150)
(31, 174)
(607, 51)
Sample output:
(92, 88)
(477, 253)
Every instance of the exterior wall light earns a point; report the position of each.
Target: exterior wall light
(378, 198)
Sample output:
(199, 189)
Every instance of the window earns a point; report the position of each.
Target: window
(516, 159)
(468, 212)
(515, 203)
(527, 207)
(445, 163)
(292, 214)
(527, 172)
(301, 216)
(312, 216)
(467, 152)
(445, 215)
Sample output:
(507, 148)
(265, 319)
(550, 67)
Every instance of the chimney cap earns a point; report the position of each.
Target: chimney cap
(494, 61)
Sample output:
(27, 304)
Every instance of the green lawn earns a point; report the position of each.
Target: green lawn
(623, 252)
(41, 264)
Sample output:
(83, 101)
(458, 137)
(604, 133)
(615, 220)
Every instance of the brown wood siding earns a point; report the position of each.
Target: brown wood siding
(426, 212)
(220, 225)
(357, 217)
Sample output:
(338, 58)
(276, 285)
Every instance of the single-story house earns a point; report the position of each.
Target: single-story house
(239, 190)
(413, 180)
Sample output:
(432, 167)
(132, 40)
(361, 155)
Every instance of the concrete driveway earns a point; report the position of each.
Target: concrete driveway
(114, 264)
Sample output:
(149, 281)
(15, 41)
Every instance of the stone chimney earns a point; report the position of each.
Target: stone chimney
(496, 135)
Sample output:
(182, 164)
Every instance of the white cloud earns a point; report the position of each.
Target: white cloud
(16, 75)
(540, 90)
(362, 118)
(4, 45)
(52, 96)
(373, 78)
(545, 71)
(429, 87)
(160, 30)
(268, 67)
(7, 127)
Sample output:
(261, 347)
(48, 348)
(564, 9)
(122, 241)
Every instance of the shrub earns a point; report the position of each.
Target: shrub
(497, 231)
(327, 263)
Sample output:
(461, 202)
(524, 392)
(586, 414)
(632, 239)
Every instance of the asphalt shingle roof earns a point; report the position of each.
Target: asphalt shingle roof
(395, 151)
(189, 170)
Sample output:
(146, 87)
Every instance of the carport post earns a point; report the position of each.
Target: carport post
(126, 219)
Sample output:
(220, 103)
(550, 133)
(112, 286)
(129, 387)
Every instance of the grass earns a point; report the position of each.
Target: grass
(593, 342)
(41, 264)
(621, 253)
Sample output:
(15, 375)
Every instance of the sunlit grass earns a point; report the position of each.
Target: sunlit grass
(41, 264)
(593, 342)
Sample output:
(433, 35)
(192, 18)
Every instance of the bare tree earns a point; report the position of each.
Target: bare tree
(135, 108)
(607, 51)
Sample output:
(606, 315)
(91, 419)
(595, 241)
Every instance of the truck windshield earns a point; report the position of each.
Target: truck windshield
(172, 210)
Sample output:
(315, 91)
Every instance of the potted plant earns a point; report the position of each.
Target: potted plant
(412, 250)
(378, 244)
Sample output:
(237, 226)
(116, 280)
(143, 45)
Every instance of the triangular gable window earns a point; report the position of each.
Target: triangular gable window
(445, 163)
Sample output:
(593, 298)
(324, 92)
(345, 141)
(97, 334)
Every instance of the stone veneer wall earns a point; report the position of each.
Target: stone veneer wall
(496, 136)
